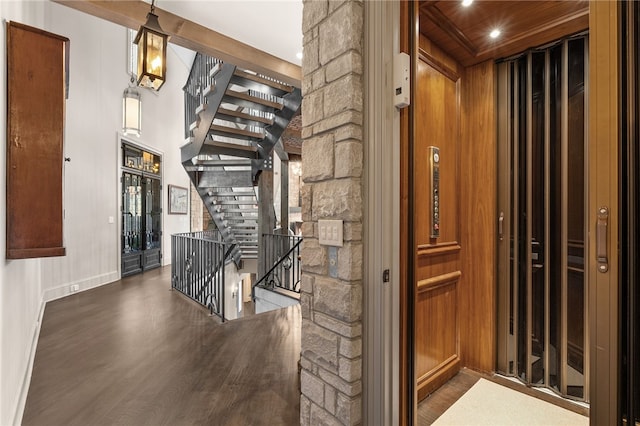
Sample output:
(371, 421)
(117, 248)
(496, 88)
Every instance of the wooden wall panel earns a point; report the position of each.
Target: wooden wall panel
(478, 291)
(35, 125)
(439, 124)
(437, 321)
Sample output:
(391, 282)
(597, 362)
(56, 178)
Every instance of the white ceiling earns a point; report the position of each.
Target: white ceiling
(274, 26)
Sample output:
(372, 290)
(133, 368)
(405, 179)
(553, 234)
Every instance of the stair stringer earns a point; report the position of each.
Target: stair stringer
(206, 117)
(292, 103)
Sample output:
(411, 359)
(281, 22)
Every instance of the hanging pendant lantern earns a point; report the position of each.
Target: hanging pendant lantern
(131, 112)
(152, 52)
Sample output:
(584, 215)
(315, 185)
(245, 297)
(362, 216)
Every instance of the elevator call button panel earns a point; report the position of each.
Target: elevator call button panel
(434, 163)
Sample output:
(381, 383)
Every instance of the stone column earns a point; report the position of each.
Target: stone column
(332, 153)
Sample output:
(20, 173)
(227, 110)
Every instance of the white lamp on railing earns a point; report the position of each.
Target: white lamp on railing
(152, 52)
(131, 112)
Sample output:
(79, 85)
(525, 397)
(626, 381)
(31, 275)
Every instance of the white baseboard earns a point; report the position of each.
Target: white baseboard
(26, 380)
(83, 285)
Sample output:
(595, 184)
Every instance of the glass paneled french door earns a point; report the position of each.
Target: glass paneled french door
(542, 279)
(141, 211)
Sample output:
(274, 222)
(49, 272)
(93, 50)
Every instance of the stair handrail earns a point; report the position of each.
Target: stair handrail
(199, 277)
(277, 264)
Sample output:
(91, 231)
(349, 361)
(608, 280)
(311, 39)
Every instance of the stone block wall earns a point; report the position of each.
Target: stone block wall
(332, 157)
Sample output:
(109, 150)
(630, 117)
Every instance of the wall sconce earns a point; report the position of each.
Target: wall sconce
(131, 112)
(152, 52)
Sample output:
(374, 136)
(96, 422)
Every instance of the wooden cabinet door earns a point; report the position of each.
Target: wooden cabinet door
(36, 88)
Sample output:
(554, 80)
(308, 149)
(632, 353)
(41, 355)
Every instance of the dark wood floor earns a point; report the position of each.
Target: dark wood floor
(135, 353)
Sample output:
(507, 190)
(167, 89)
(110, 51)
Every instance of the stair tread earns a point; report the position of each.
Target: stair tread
(243, 116)
(284, 88)
(235, 202)
(254, 99)
(235, 208)
(208, 168)
(235, 131)
(229, 145)
(233, 194)
(224, 163)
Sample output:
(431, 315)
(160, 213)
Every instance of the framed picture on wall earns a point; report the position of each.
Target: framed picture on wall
(178, 200)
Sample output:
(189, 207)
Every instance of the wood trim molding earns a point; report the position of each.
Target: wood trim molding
(439, 281)
(406, 400)
(186, 33)
(440, 66)
(439, 19)
(452, 359)
(440, 249)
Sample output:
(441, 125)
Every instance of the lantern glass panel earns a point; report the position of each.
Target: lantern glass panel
(155, 53)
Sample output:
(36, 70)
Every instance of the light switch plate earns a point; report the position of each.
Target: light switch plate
(330, 232)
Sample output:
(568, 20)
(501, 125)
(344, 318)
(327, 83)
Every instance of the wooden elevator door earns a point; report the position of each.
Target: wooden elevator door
(437, 260)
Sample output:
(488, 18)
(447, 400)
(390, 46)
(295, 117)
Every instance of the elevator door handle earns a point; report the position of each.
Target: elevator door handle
(601, 239)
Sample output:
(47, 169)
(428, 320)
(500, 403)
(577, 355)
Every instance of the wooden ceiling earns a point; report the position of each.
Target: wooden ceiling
(463, 32)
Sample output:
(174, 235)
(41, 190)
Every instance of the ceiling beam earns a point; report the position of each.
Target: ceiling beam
(186, 33)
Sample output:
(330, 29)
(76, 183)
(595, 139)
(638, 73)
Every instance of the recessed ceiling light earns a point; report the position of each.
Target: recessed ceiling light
(467, 3)
(495, 33)
(299, 55)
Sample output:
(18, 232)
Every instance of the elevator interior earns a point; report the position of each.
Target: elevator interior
(533, 327)
(545, 287)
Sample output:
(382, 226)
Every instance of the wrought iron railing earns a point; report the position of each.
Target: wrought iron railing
(197, 268)
(282, 252)
(199, 79)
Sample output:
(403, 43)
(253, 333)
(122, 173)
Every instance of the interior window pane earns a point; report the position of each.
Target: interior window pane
(555, 215)
(575, 225)
(521, 216)
(537, 217)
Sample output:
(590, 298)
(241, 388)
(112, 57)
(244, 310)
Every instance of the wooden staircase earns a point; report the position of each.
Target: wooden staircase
(233, 121)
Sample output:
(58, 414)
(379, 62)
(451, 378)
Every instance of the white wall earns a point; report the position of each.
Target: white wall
(19, 279)
(93, 118)
(232, 279)
(267, 300)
